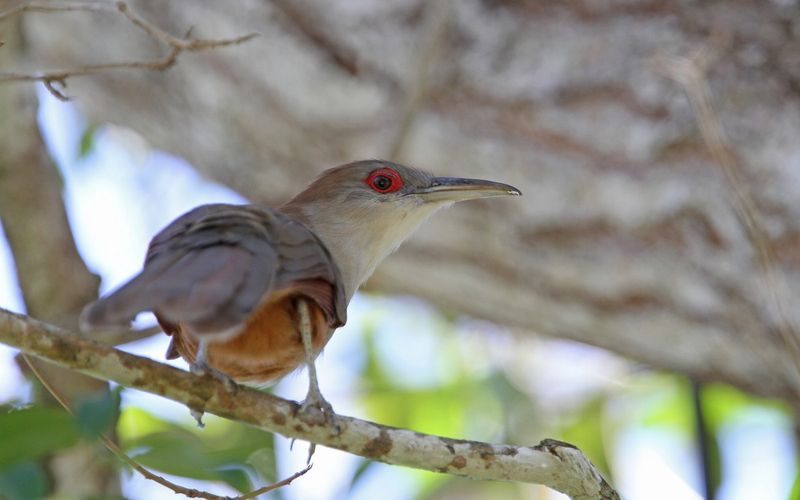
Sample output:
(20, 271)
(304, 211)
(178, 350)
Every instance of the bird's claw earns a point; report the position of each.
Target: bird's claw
(316, 410)
(197, 415)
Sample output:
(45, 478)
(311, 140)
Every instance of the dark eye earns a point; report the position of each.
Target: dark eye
(381, 182)
(384, 180)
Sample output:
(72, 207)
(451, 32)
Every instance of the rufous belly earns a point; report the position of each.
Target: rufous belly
(267, 348)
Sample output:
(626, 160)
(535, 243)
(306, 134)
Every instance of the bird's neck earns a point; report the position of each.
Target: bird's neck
(358, 239)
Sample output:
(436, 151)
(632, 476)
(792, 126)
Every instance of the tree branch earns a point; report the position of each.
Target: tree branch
(435, 24)
(315, 30)
(45, 256)
(176, 45)
(558, 465)
(691, 72)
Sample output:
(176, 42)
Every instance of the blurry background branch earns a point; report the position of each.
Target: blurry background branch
(55, 282)
(436, 16)
(176, 45)
(692, 72)
(558, 465)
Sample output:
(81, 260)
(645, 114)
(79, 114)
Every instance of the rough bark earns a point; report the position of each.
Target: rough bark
(626, 237)
(53, 278)
(553, 463)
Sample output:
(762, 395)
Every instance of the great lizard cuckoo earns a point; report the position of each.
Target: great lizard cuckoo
(249, 292)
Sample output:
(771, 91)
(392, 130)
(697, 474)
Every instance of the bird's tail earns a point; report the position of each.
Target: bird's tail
(118, 310)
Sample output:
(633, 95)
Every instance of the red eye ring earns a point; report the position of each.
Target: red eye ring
(384, 180)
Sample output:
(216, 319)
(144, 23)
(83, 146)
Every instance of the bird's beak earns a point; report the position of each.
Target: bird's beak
(451, 189)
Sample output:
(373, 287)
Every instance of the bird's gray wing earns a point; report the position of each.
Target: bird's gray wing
(210, 268)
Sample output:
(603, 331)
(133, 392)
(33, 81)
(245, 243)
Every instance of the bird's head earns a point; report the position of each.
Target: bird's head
(364, 210)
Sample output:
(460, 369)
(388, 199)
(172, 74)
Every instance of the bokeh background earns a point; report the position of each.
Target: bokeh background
(639, 301)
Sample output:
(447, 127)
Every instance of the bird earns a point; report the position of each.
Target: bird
(250, 293)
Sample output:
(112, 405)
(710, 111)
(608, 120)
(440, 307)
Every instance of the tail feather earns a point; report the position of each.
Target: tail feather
(119, 309)
(208, 292)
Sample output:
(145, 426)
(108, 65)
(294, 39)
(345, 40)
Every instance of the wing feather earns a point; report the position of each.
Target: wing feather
(211, 268)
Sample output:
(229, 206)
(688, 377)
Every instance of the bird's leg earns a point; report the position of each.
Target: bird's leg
(314, 403)
(201, 367)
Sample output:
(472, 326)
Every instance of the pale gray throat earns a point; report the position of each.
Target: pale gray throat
(359, 243)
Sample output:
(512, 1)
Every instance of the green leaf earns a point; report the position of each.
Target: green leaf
(441, 411)
(724, 404)
(23, 481)
(135, 422)
(181, 453)
(459, 487)
(98, 413)
(666, 403)
(362, 468)
(35, 431)
(177, 452)
(220, 452)
(263, 461)
(236, 478)
(795, 493)
(372, 369)
(88, 142)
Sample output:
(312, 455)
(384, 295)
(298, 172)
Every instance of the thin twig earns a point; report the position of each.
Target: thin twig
(113, 448)
(56, 80)
(56, 7)
(314, 30)
(275, 486)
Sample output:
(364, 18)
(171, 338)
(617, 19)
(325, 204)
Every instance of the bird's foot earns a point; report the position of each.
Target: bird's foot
(316, 410)
(201, 368)
(198, 417)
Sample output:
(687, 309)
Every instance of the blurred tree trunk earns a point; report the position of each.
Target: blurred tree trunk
(626, 237)
(53, 278)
